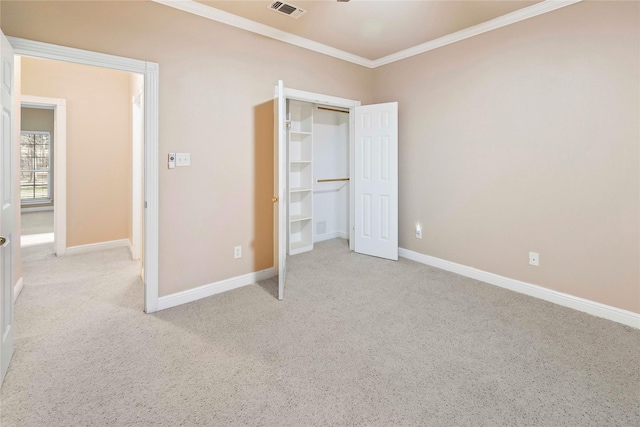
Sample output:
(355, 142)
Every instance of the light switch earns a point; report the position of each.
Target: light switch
(183, 159)
(171, 160)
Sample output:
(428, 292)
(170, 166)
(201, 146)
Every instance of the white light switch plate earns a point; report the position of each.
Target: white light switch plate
(183, 159)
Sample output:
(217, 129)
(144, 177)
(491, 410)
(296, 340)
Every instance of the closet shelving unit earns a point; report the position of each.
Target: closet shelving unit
(300, 142)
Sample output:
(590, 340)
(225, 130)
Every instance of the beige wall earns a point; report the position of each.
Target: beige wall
(216, 91)
(524, 138)
(40, 119)
(98, 145)
(527, 139)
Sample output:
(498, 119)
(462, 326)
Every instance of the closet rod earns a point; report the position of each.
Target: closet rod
(332, 109)
(332, 179)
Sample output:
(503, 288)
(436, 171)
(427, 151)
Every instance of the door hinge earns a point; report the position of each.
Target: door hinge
(145, 204)
(288, 124)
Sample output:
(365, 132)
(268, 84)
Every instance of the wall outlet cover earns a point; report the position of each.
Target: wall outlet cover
(534, 258)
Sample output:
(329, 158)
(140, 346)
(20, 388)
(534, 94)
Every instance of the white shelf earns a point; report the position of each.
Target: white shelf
(301, 117)
(300, 150)
(300, 175)
(298, 218)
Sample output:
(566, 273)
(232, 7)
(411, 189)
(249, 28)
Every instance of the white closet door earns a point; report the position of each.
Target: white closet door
(280, 186)
(376, 180)
(6, 201)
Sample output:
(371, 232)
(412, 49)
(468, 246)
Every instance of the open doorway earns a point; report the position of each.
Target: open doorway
(43, 127)
(371, 162)
(22, 48)
(81, 159)
(37, 136)
(13, 50)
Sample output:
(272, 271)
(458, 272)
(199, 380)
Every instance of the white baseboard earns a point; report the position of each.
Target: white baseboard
(619, 315)
(204, 291)
(36, 209)
(92, 247)
(329, 236)
(17, 289)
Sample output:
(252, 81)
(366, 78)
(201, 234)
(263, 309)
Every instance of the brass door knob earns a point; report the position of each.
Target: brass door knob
(3, 240)
(274, 199)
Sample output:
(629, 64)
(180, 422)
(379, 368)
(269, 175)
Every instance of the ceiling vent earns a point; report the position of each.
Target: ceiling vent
(287, 9)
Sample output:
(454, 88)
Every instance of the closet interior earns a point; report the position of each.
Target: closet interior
(318, 174)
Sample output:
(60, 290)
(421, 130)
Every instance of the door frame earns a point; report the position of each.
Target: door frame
(314, 98)
(150, 70)
(137, 170)
(59, 107)
(331, 101)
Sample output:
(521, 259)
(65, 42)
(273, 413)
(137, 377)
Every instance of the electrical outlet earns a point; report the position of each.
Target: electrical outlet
(237, 252)
(418, 230)
(534, 258)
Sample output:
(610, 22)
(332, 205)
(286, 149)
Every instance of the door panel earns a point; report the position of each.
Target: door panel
(6, 210)
(376, 180)
(280, 187)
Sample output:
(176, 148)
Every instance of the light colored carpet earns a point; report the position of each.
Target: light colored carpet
(36, 229)
(36, 222)
(358, 341)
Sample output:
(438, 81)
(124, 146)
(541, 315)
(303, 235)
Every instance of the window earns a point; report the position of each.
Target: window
(35, 156)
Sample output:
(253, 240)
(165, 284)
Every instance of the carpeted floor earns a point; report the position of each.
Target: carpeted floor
(37, 229)
(358, 341)
(36, 222)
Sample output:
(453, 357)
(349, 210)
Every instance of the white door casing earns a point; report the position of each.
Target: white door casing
(376, 180)
(280, 187)
(137, 166)
(282, 94)
(150, 71)
(59, 107)
(7, 80)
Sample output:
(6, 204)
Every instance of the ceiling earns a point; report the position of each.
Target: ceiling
(373, 29)
(371, 33)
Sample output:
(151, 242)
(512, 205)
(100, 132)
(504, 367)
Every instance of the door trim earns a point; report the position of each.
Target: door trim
(279, 136)
(59, 107)
(334, 101)
(137, 190)
(150, 70)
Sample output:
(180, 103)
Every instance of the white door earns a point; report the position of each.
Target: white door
(280, 186)
(376, 180)
(6, 210)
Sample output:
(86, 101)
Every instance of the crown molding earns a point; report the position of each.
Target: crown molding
(265, 30)
(493, 24)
